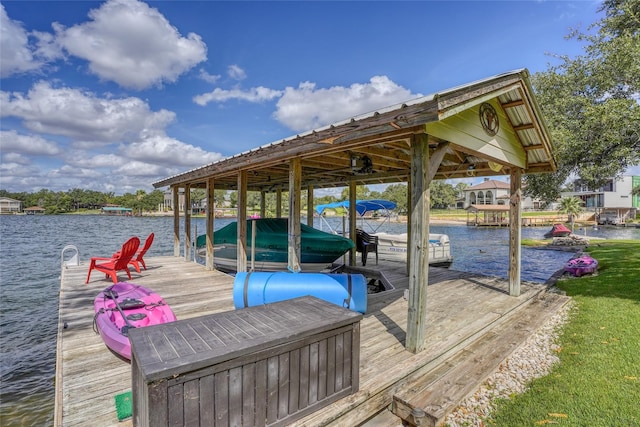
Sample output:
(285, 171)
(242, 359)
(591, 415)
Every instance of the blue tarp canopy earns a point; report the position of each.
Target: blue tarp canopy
(362, 206)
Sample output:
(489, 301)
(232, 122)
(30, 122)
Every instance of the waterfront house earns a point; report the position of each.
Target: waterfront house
(495, 192)
(10, 206)
(612, 203)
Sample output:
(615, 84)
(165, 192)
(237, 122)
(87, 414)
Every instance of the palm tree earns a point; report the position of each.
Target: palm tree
(571, 206)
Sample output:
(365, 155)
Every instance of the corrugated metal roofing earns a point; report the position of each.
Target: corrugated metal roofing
(384, 137)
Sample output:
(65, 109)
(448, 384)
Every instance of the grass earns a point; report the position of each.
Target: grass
(597, 382)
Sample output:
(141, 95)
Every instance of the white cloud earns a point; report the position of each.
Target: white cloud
(236, 72)
(140, 169)
(11, 172)
(104, 142)
(13, 142)
(68, 171)
(307, 107)
(81, 159)
(15, 158)
(128, 42)
(15, 52)
(83, 115)
(209, 78)
(256, 94)
(163, 150)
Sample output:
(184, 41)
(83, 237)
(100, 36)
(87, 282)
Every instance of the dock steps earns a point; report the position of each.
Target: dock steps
(432, 397)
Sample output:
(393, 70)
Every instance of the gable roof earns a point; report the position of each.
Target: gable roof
(491, 184)
(376, 147)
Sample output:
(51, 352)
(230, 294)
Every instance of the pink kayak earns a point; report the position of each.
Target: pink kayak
(124, 306)
(582, 265)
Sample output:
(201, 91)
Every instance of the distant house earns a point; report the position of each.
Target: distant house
(34, 210)
(494, 192)
(612, 203)
(10, 206)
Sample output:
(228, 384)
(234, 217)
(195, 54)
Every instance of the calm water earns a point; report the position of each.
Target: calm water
(30, 248)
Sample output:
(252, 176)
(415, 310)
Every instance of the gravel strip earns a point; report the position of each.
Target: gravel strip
(534, 359)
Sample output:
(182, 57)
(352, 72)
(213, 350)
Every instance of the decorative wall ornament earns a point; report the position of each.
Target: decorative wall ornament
(489, 119)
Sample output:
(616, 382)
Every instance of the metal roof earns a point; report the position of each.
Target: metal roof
(375, 147)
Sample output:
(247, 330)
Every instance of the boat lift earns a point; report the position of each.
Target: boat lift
(362, 206)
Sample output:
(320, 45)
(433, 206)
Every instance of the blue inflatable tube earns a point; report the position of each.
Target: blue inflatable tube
(257, 288)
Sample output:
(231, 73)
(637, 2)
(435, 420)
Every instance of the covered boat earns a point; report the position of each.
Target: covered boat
(318, 249)
(124, 306)
(558, 230)
(581, 265)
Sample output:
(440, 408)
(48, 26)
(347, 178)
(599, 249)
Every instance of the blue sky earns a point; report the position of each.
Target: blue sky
(113, 96)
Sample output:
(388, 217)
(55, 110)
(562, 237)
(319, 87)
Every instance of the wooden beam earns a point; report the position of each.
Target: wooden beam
(419, 244)
(310, 205)
(515, 231)
(187, 222)
(279, 203)
(241, 261)
(176, 221)
(211, 209)
(409, 209)
(295, 180)
(263, 204)
(435, 160)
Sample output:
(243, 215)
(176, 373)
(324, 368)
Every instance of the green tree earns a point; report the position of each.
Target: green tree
(460, 187)
(397, 193)
(442, 194)
(571, 206)
(219, 197)
(590, 103)
(362, 193)
(198, 195)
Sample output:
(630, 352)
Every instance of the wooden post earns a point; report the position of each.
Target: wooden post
(241, 261)
(295, 186)
(515, 231)
(409, 209)
(263, 204)
(187, 222)
(419, 269)
(310, 206)
(211, 210)
(279, 203)
(352, 220)
(176, 221)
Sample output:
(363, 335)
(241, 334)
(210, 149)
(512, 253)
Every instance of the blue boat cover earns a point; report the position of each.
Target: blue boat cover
(362, 206)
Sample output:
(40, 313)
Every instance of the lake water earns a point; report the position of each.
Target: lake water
(30, 249)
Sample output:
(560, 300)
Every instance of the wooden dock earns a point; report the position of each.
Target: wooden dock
(463, 309)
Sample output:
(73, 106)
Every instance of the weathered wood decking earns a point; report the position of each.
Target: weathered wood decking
(461, 307)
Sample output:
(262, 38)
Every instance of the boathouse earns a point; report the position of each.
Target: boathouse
(116, 210)
(488, 127)
(409, 359)
(35, 210)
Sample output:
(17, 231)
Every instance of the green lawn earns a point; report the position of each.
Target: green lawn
(597, 382)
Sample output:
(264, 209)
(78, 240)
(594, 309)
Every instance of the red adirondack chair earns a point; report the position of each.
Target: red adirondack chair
(120, 261)
(138, 259)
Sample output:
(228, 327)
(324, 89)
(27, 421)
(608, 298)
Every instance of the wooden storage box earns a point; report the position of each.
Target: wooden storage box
(259, 366)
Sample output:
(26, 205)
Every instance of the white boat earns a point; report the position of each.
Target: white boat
(393, 247)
